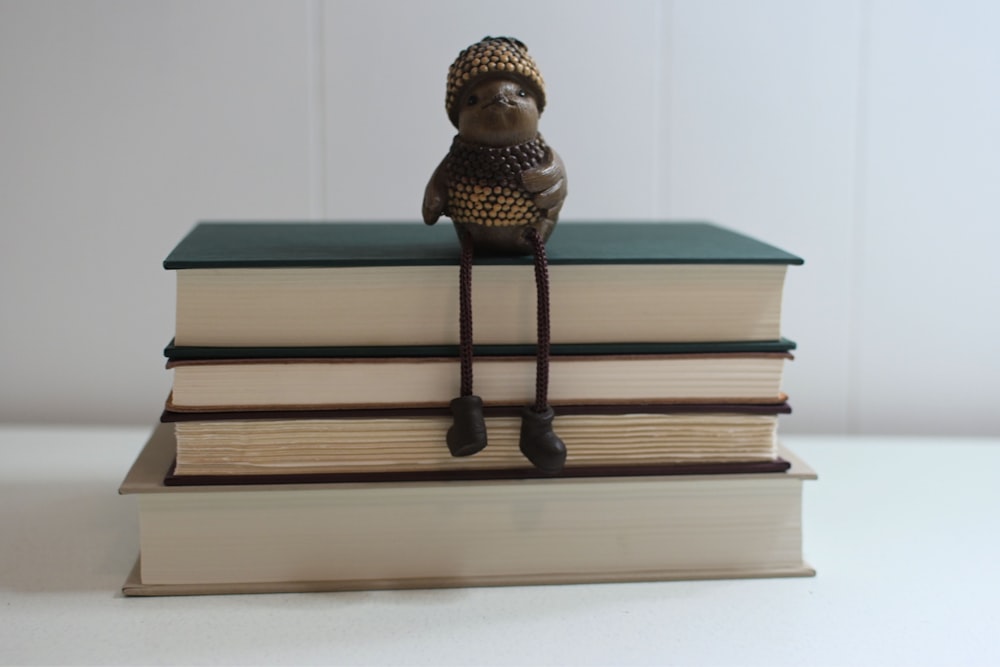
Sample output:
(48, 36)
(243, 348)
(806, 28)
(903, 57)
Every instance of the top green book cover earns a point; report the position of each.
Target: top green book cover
(336, 244)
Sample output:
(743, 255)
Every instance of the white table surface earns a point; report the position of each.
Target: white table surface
(902, 531)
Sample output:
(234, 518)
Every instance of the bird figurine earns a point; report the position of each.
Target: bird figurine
(503, 188)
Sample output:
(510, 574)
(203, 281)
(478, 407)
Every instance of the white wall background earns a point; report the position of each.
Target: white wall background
(863, 135)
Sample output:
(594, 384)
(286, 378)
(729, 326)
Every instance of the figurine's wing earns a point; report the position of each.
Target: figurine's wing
(548, 183)
(436, 195)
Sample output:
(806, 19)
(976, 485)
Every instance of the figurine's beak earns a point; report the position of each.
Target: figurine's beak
(501, 99)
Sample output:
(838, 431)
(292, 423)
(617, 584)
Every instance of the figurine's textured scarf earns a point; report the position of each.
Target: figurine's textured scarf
(497, 165)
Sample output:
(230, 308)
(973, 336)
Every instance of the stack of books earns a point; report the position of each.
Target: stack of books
(303, 444)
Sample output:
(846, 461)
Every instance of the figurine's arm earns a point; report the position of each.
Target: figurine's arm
(548, 183)
(436, 195)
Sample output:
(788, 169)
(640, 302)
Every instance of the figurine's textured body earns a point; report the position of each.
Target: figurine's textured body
(503, 189)
(485, 187)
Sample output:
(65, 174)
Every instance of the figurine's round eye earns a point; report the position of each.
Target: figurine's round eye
(472, 100)
(522, 93)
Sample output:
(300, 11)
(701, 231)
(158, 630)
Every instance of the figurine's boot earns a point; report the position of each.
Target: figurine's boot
(467, 434)
(539, 443)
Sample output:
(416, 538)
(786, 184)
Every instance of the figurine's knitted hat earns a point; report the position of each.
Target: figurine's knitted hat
(492, 56)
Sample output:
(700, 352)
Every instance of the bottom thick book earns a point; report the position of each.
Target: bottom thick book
(349, 536)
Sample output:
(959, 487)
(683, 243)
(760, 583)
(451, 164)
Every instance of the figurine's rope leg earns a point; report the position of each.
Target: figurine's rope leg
(543, 350)
(465, 314)
(467, 434)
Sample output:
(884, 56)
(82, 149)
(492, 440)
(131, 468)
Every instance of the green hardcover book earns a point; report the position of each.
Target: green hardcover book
(272, 284)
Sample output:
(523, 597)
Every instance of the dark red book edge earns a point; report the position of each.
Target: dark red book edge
(676, 469)
(169, 416)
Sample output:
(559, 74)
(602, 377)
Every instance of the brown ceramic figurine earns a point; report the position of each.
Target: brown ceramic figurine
(503, 187)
